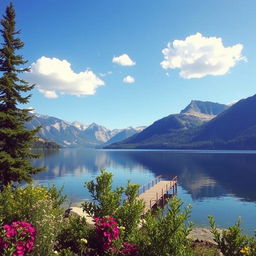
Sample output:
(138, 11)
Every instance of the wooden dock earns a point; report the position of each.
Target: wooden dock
(155, 192)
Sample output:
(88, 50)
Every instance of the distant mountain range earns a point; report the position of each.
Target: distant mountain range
(77, 134)
(201, 125)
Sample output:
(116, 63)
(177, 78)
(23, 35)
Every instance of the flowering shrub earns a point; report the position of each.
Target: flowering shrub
(17, 239)
(74, 235)
(38, 206)
(106, 231)
(231, 241)
(109, 237)
(122, 203)
(129, 249)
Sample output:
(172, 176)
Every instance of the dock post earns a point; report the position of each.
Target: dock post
(162, 198)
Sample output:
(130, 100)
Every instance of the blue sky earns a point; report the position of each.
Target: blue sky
(102, 61)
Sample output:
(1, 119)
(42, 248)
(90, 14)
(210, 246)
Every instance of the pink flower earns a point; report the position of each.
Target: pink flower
(19, 235)
(107, 230)
(129, 249)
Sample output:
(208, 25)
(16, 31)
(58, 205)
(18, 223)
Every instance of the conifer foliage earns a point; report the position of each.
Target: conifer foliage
(15, 139)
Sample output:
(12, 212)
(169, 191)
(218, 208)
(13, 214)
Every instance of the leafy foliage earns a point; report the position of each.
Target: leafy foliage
(129, 213)
(166, 234)
(74, 235)
(38, 206)
(232, 242)
(15, 140)
(105, 201)
(121, 203)
(163, 234)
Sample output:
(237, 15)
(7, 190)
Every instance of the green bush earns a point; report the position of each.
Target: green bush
(166, 234)
(121, 203)
(64, 252)
(74, 235)
(160, 234)
(38, 206)
(231, 241)
(105, 201)
(130, 212)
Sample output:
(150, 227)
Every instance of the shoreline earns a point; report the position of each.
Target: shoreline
(200, 234)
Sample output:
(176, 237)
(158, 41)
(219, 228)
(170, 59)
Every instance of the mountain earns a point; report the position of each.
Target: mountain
(79, 125)
(207, 108)
(234, 128)
(167, 129)
(97, 134)
(77, 134)
(58, 131)
(122, 135)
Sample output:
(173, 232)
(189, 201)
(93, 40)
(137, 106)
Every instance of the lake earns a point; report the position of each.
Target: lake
(218, 183)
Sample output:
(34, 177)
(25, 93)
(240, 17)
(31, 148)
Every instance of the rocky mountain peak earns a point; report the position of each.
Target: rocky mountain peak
(197, 107)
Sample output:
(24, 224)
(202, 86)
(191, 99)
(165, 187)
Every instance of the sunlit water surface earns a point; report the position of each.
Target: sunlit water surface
(218, 183)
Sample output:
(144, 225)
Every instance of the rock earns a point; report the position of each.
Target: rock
(78, 211)
(202, 234)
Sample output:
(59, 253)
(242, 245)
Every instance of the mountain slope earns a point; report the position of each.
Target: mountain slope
(165, 126)
(174, 129)
(204, 107)
(56, 130)
(97, 134)
(160, 132)
(77, 134)
(234, 128)
(232, 123)
(121, 135)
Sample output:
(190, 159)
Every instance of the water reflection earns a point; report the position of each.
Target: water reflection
(201, 175)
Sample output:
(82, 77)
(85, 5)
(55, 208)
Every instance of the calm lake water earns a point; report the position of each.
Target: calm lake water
(219, 183)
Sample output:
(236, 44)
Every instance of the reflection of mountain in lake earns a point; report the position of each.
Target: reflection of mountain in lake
(205, 175)
(77, 162)
(201, 174)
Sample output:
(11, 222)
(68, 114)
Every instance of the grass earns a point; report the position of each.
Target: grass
(201, 249)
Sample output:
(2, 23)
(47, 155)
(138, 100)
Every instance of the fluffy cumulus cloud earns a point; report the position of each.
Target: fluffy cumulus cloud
(123, 60)
(198, 56)
(53, 76)
(129, 79)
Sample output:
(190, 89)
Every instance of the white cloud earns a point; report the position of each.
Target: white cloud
(53, 76)
(105, 74)
(123, 60)
(198, 56)
(129, 79)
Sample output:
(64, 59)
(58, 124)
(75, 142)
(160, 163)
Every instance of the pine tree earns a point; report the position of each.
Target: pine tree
(15, 139)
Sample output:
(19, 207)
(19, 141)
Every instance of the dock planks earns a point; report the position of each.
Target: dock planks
(154, 192)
